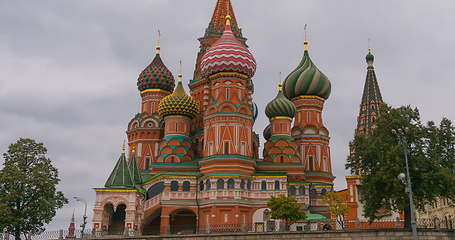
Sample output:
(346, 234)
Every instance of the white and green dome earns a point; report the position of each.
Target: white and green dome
(306, 80)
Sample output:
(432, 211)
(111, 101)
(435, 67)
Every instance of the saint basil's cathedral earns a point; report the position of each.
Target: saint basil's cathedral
(193, 161)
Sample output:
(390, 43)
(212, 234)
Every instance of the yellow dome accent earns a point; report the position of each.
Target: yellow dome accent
(178, 103)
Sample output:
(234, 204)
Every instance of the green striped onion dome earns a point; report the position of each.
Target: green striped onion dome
(156, 76)
(280, 107)
(178, 103)
(306, 80)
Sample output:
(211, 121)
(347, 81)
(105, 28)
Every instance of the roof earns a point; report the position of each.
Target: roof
(121, 175)
(134, 170)
(223, 8)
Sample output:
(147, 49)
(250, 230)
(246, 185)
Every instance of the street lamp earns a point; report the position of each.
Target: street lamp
(84, 222)
(406, 178)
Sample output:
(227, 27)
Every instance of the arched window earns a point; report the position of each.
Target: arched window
(264, 185)
(292, 191)
(281, 159)
(231, 183)
(154, 190)
(242, 184)
(313, 194)
(302, 190)
(310, 161)
(186, 186)
(220, 184)
(174, 186)
(208, 184)
(248, 185)
(277, 185)
(323, 192)
(201, 186)
(226, 148)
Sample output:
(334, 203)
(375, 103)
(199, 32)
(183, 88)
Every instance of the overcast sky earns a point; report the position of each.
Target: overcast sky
(68, 69)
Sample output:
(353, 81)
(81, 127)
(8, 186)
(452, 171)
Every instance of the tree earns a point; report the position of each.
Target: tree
(379, 157)
(337, 205)
(28, 194)
(285, 208)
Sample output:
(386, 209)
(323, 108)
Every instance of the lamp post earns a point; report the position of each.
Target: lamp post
(84, 222)
(406, 179)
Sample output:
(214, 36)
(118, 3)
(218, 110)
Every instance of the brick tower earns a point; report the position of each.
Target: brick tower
(308, 88)
(145, 130)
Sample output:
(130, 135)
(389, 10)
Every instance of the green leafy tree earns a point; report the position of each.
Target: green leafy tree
(28, 195)
(337, 206)
(379, 157)
(285, 208)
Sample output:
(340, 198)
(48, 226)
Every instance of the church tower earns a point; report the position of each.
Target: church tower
(228, 119)
(145, 130)
(308, 88)
(371, 99)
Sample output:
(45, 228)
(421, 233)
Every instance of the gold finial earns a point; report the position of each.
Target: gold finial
(123, 147)
(280, 83)
(134, 149)
(228, 20)
(158, 47)
(369, 43)
(180, 76)
(305, 42)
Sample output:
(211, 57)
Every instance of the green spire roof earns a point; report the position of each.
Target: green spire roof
(121, 175)
(280, 106)
(134, 170)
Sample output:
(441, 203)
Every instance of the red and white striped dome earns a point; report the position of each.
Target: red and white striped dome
(228, 54)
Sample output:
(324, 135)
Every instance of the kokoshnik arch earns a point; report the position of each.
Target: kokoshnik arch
(193, 160)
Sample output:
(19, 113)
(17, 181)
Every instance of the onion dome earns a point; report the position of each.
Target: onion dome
(178, 103)
(228, 54)
(255, 111)
(156, 76)
(267, 132)
(306, 80)
(369, 57)
(280, 106)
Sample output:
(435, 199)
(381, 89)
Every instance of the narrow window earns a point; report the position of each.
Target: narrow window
(201, 186)
(174, 186)
(292, 191)
(231, 183)
(248, 185)
(242, 184)
(228, 96)
(186, 186)
(277, 185)
(281, 159)
(153, 108)
(308, 116)
(210, 148)
(310, 160)
(226, 148)
(263, 185)
(147, 163)
(302, 190)
(208, 184)
(220, 184)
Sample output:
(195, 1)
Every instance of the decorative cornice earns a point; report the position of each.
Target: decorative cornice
(309, 97)
(113, 190)
(155, 90)
(228, 74)
(283, 118)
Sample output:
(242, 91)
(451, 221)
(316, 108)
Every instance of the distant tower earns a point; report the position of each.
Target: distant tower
(71, 229)
(308, 88)
(145, 129)
(371, 99)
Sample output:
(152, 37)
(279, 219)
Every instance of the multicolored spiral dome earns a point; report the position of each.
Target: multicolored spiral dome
(178, 103)
(306, 80)
(280, 106)
(228, 54)
(156, 76)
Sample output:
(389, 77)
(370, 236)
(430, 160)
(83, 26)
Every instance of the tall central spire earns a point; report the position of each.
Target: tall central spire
(223, 8)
